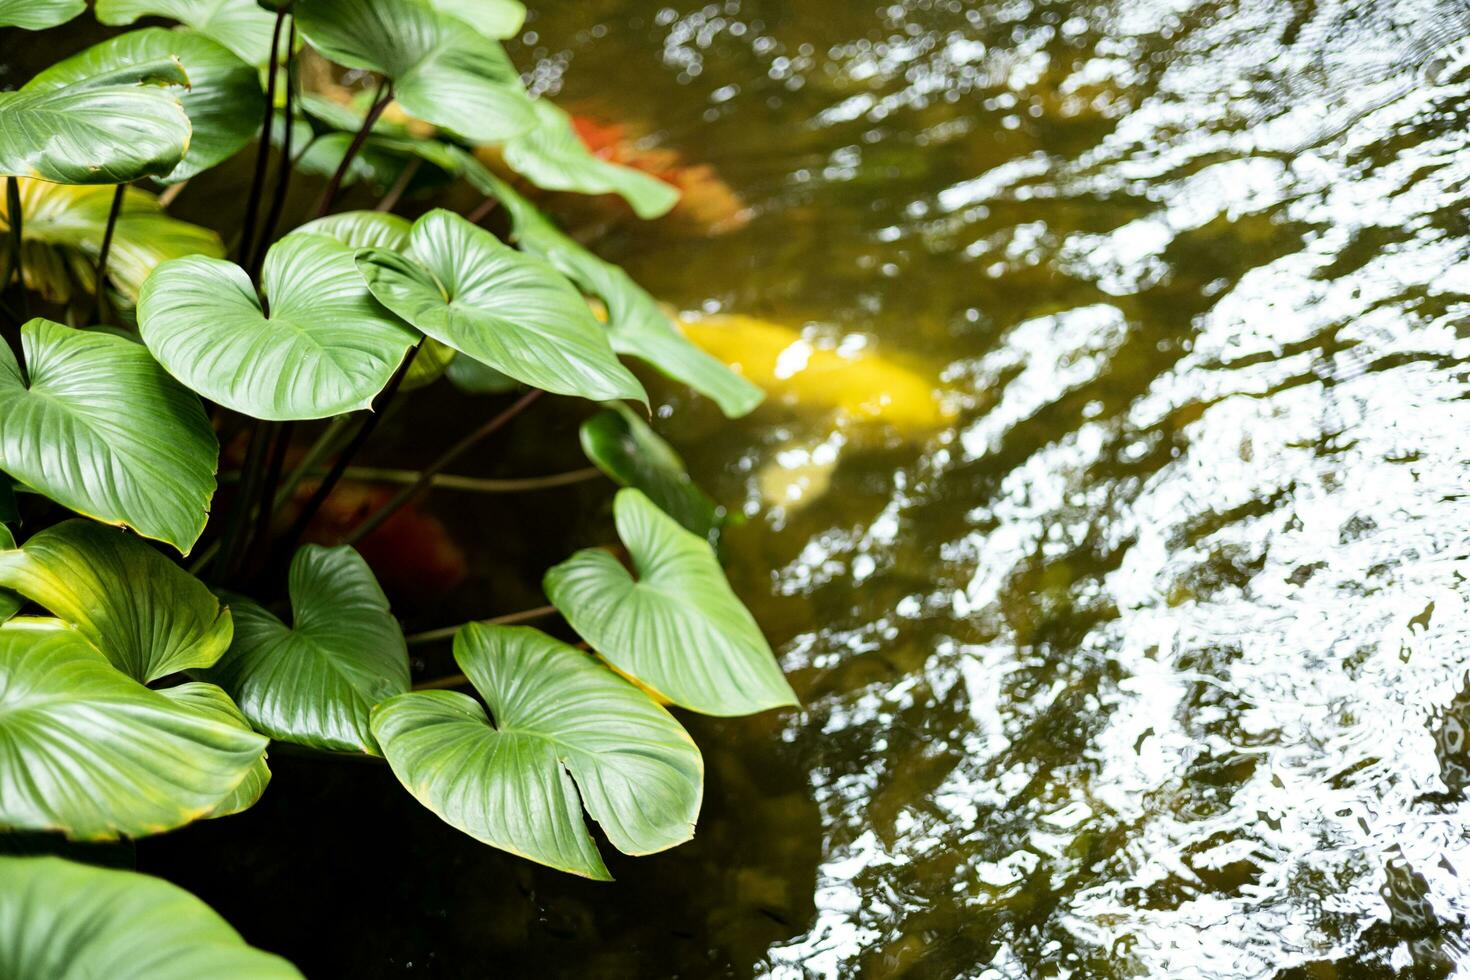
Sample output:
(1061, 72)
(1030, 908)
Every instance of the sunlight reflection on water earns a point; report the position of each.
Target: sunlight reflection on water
(1154, 662)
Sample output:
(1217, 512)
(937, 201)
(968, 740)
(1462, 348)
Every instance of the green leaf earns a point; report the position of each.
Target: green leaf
(108, 129)
(10, 602)
(495, 19)
(562, 724)
(102, 430)
(326, 348)
(37, 15)
(552, 157)
(678, 627)
(63, 227)
(623, 446)
(60, 920)
(363, 229)
(638, 326)
(441, 72)
(212, 700)
(316, 682)
(429, 366)
(239, 25)
(460, 285)
(146, 615)
(89, 751)
(223, 101)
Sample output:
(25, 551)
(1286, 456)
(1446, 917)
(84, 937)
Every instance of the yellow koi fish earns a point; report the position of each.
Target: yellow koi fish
(857, 384)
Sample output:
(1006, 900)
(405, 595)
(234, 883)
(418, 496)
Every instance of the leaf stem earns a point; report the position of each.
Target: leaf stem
(283, 169)
(255, 453)
(444, 633)
(390, 199)
(16, 219)
(100, 282)
(470, 484)
(427, 475)
(262, 153)
(329, 194)
(482, 211)
(287, 544)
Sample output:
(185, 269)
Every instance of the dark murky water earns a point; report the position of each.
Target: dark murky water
(1153, 661)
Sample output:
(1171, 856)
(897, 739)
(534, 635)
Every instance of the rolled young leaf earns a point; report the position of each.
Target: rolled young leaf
(37, 15)
(107, 129)
(146, 615)
(63, 227)
(223, 101)
(315, 683)
(96, 425)
(239, 25)
(625, 448)
(553, 158)
(460, 285)
(212, 700)
(117, 758)
(637, 326)
(327, 346)
(563, 724)
(442, 71)
(678, 627)
(59, 919)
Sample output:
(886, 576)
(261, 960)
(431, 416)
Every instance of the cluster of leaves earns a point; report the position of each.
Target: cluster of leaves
(136, 697)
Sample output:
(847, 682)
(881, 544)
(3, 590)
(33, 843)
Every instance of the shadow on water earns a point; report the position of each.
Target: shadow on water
(1152, 661)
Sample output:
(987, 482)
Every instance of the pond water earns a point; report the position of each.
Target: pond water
(1148, 661)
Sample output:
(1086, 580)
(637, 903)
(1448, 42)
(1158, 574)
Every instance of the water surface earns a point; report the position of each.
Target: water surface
(1150, 662)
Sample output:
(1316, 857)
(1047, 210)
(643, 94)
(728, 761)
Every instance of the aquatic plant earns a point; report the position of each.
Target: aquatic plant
(144, 668)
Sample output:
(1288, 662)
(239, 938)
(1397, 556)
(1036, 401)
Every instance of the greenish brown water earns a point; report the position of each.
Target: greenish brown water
(1150, 663)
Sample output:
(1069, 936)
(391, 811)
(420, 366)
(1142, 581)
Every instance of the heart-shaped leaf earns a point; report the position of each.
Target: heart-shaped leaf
(96, 425)
(637, 325)
(239, 25)
(678, 627)
(316, 682)
(146, 615)
(552, 157)
(474, 378)
(460, 285)
(63, 227)
(91, 752)
(624, 447)
(496, 19)
(363, 229)
(213, 701)
(37, 15)
(326, 347)
(108, 129)
(442, 72)
(59, 919)
(223, 101)
(562, 723)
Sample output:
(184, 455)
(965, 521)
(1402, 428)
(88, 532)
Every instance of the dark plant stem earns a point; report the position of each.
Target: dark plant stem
(287, 544)
(283, 169)
(524, 616)
(390, 199)
(100, 284)
(483, 211)
(13, 212)
(450, 455)
(334, 186)
(244, 499)
(265, 499)
(262, 153)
